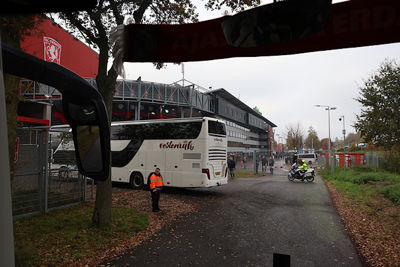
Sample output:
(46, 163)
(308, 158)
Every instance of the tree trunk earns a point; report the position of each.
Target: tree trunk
(11, 84)
(102, 209)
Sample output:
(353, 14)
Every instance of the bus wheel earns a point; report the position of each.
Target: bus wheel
(136, 180)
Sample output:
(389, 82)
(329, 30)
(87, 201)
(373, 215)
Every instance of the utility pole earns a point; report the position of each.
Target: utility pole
(331, 159)
(344, 139)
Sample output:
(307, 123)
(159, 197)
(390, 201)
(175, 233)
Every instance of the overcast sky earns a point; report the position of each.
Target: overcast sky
(285, 88)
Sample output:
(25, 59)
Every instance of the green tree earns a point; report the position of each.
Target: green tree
(95, 26)
(380, 100)
(312, 140)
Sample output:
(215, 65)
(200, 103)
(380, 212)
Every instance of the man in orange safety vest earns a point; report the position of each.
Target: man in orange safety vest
(156, 184)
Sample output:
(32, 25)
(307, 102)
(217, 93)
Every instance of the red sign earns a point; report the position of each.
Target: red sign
(16, 150)
(52, 50)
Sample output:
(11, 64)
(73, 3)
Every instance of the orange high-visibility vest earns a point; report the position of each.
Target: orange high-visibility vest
(155, 181)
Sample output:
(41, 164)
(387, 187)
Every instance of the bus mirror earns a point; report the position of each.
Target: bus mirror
(276, 23)
(83, 108)
(89, 148)
(88, 131)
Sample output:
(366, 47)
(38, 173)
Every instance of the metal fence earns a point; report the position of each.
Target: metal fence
(36, 188)
(348, 160)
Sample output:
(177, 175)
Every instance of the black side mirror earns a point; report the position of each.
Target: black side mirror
(90, 137)
(83, 107)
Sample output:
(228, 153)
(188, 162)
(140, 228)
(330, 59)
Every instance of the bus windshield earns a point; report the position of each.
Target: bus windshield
(217, 128)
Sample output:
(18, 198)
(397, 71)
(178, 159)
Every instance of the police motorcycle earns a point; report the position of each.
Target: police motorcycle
(309, 175)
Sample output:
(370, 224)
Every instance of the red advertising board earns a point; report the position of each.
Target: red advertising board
(52, 43)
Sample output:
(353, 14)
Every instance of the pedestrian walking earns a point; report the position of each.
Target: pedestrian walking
(257, 163)
(244, 162)
(231, 167)
(294, 160)
(264, 163)
(271, 163)
(156, 184)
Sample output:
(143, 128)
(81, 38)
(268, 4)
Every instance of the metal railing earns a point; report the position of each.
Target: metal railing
(36, 188)
(173, 94)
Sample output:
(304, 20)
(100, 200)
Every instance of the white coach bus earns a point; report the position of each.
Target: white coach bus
(189, 152)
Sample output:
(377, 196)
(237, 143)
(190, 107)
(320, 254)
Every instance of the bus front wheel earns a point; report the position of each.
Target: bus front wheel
(136, 181)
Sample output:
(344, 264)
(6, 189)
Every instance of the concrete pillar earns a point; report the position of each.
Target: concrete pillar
(6, 222)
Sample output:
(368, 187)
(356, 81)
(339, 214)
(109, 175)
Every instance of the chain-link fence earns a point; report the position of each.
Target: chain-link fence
(39, 185)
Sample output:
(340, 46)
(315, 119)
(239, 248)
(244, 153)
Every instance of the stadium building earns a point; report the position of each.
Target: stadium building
(247, 130)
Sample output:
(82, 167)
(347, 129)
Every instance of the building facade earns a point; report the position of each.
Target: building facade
(247, 130)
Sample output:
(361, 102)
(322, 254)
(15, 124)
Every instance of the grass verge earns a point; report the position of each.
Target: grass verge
(65, 236)
(368, 203)
(361, 181)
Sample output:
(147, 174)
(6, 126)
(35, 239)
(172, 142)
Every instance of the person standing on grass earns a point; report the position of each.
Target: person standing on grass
(156, 184)
(231, 167)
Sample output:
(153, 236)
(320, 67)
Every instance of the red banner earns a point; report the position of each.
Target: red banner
(351, 24)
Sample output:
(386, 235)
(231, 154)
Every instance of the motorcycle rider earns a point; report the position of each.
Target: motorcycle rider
(301, 168)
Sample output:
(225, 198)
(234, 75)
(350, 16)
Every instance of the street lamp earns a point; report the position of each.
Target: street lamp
(344, 139)
(328, 108)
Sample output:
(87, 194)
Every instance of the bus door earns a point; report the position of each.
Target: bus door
(173, 169)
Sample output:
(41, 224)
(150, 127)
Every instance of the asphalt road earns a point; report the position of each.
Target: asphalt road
(248, 221)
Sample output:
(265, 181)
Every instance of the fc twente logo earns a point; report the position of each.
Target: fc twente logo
(185, 145)
(52, 50)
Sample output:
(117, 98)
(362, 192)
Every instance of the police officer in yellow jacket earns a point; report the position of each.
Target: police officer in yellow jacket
(302, 167)
(156, 184)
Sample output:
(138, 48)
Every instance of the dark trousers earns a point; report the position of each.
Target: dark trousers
(155, 197)
(232, 172)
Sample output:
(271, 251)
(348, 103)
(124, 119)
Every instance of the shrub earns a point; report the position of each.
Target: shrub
(361, 168)
(392, 160)
(392, 192)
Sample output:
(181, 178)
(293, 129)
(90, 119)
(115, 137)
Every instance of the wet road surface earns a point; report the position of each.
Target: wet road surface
(248, 221)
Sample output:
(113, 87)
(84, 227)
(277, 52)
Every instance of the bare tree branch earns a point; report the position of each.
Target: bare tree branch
(119, 18)
(138, 14)
(87, 34)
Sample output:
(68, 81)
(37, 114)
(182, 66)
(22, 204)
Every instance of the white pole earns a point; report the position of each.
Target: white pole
(183, 74)
(329, 129)
(344, 144)
(6, 222)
